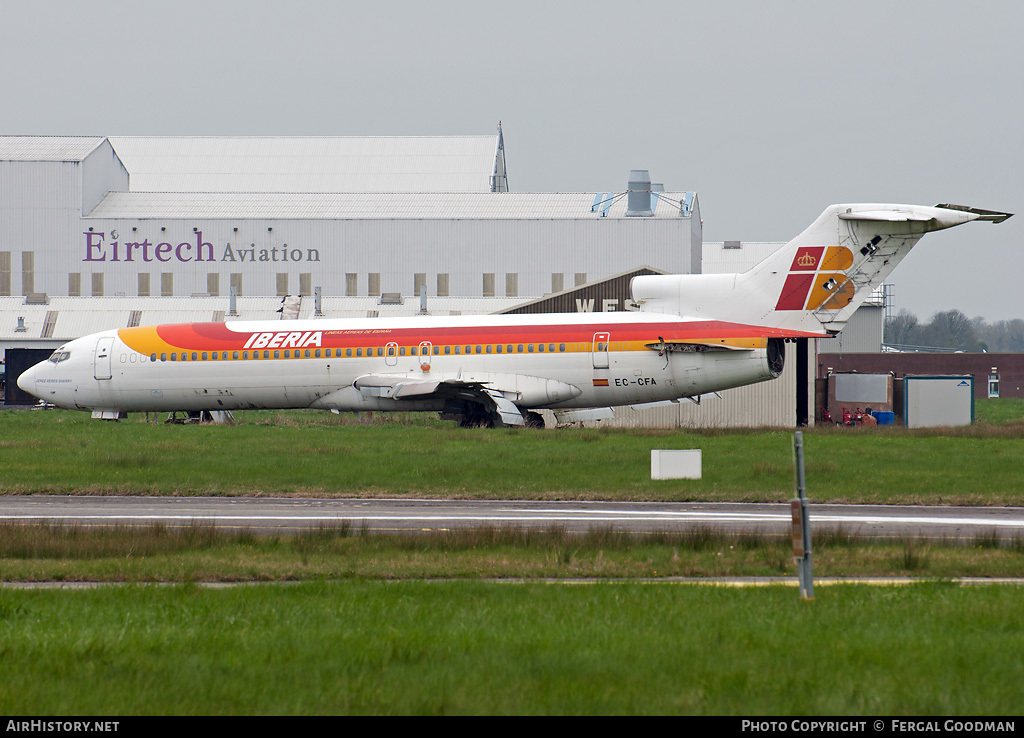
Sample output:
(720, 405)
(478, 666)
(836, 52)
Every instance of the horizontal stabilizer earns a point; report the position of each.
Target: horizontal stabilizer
(993, 216)
(891, 216)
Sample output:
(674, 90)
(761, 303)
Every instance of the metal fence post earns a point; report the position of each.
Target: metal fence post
(802, 524)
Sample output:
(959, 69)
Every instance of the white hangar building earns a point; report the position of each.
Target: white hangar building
(103, 232)
(274, 217)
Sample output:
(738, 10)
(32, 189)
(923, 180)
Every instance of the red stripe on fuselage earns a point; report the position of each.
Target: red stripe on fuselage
(218, 337)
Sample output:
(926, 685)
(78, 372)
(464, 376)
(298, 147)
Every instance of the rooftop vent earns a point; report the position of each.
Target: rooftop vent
(37, 298)
(390, 298)
(639, 188)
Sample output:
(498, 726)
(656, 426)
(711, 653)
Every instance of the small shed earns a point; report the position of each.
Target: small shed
(945, 400)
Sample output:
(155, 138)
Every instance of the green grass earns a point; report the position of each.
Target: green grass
(491, 648)
(306, 453)
(1003, 411)
(204, 554)
(356, 630)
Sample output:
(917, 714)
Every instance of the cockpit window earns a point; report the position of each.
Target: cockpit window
(58, 356)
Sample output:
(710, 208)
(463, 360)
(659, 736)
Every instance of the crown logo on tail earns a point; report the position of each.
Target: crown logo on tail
(807, 260)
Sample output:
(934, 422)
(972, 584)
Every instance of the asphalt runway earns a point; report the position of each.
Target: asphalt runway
(283, 515)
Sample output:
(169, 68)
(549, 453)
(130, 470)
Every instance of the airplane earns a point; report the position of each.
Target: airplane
(691, 335)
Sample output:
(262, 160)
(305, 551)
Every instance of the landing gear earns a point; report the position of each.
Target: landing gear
(534, 420)
(490, 413)
(476, 421)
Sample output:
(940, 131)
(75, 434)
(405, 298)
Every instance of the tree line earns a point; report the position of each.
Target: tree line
(953, 331)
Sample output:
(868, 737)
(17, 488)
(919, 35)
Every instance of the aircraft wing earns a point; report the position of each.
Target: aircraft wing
(402, 387)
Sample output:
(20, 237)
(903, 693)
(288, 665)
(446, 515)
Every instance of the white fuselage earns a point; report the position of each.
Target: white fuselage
(542, 361)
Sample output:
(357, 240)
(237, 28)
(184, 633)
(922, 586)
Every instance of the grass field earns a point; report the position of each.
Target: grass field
(491, 648)
(306, 453)
(204, 554)
(352, 624)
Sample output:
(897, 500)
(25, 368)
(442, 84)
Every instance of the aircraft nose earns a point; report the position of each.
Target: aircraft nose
(27, 381)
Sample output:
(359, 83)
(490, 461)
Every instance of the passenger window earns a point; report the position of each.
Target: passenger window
(540, 348)
(437, 350)
(508, 349)
(551, 348)
(469, 349)
(561, 347)
(498, 348)
(359, 352)
(245, 354)
(277, 353)
(152, 357)
(413, 350)
(287, 353)
(489, 347)
(163, 357)
(447, 350)
(458, 349)
(401, 351)
(174, 356)
(266, 354)
(348, 352)
(205, 355)
(195, 356)
(479, 349)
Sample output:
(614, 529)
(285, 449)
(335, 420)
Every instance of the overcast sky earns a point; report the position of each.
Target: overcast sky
(770, 111)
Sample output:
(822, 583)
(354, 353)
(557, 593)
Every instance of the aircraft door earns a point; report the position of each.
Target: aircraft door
(600, 350)
(391, 354)
(425, 350)
(102, 362)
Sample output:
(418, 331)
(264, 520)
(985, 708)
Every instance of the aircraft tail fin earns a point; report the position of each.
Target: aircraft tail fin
(813, 284)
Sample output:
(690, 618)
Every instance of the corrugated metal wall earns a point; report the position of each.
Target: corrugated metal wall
(768, 404)
(862, 334)
(40, 210)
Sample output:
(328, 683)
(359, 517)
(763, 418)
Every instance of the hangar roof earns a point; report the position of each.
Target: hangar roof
(64, 318)
(47, 148)
(310, 164)
(383, 206)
